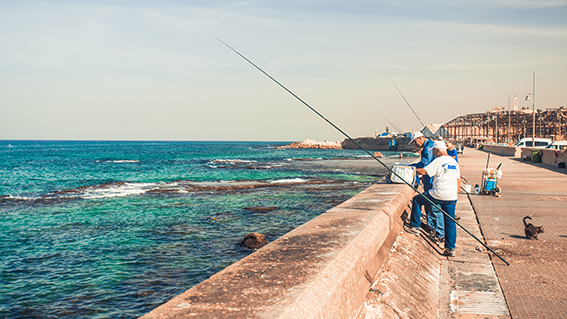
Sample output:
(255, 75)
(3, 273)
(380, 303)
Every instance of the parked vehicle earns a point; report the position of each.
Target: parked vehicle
(539, 142)
(459, 147)
(558, 145)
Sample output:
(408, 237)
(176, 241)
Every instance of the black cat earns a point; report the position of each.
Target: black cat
(531, 230)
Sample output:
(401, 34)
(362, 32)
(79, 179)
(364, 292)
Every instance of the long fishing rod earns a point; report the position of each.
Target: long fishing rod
(394, 125)
(411, 108)
(364, 149)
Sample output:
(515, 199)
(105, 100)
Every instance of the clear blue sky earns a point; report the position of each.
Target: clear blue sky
(152, 70)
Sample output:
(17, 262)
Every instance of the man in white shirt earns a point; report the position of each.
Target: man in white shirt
(446, 184)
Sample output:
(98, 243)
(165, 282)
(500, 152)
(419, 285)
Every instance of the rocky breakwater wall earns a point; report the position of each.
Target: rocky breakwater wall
(401, 144)
(322, 269)
(314, 144)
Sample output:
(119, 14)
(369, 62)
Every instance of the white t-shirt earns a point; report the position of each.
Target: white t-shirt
(445, 172)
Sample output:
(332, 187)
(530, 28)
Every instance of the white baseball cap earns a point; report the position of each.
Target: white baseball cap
(439, 145)
(414, 136)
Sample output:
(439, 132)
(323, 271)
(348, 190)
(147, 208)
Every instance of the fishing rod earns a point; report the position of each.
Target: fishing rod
(394, 125)
(364, 149)
(411, 108)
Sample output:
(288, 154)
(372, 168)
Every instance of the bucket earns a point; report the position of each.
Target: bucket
(467, 188)
(407, 173)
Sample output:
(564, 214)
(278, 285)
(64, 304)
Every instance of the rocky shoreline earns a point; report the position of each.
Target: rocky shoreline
(381, 143)
(314, 144)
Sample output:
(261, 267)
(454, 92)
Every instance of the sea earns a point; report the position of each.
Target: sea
(113, 229)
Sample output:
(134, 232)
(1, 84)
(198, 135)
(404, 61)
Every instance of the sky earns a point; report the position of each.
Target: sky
(153, 70)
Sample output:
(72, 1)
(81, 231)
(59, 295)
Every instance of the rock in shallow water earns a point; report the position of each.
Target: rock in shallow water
(261, 209)
(254, 241)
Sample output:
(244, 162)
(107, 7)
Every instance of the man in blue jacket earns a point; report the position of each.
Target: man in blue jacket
(434, 221)
(446, 184)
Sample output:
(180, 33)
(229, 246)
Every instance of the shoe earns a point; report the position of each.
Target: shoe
(428, 230)
(412, 230)
(439, 240)
(449, 252)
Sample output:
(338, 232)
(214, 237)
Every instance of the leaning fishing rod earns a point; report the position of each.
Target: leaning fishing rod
(364, 149)
(394, 125)
(411, 108)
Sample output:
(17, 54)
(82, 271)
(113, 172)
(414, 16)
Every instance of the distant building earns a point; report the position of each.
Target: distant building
(508, 126)
(434, 131)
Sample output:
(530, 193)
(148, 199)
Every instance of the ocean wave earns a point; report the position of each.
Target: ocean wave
(231, 161)
(119, 161)
(182, 188)
(238, 163)
(121, 190)
(18, 198)
(107, 190)
(289, 181)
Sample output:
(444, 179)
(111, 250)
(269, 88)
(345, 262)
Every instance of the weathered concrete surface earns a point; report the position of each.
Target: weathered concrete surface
(322, 269)
(535, 284)
(469, 286)
(408, 283)
(417, 282)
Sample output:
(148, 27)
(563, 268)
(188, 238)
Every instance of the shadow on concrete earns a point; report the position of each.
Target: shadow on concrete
(517, 236)
(541, 165)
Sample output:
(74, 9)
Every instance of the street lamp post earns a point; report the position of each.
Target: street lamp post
(509, 136)
(496, 128)
(533, 108)
(559, 118)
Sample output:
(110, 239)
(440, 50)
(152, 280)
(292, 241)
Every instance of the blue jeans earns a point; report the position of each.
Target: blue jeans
(448, 226)
(432, 217)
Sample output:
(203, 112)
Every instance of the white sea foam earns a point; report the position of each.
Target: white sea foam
(231, 161)
(18, 197)
(119, 161)
(119, 190)
(289, 181)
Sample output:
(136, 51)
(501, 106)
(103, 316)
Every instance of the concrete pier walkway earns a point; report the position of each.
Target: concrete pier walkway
(535, 283)
(476, 283)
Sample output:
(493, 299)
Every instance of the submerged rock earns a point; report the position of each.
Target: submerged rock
(254, 241)
(261, 209)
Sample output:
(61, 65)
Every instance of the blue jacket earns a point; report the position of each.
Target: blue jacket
(453, 153)
(426, 154)
(426, 158)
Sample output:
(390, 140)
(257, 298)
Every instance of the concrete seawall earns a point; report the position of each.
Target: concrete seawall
(322, 269)
(548, 156)
(503, 150)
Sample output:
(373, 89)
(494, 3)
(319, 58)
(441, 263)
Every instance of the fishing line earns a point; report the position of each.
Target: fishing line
(411, 108)
(362, 148)
(394, 125)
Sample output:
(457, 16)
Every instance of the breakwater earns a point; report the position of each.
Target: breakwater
(379, 143)
(324, 268)
(400, 144)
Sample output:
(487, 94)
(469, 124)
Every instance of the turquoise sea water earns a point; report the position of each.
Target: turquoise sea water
(114, 229)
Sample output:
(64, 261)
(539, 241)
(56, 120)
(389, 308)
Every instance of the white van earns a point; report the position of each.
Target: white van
(539, 142)
(557, 145)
